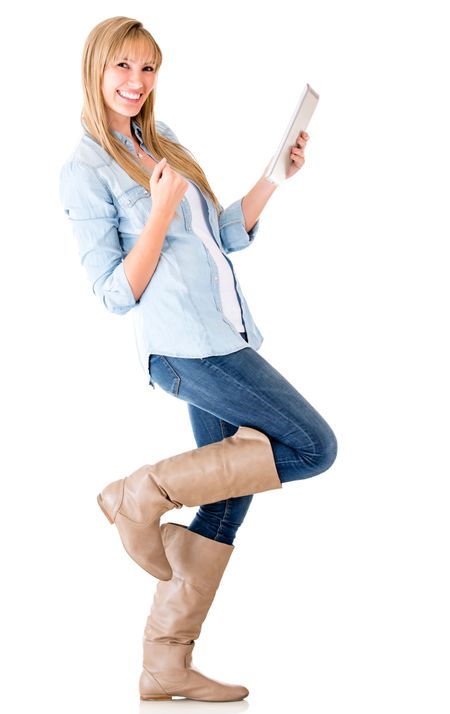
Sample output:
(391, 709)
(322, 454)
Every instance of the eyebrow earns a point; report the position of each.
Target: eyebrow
(125, 59)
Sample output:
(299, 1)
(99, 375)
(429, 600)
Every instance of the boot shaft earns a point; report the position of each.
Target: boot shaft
(181, 604)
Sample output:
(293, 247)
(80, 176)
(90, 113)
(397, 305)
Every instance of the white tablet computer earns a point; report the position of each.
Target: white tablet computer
(278, 167)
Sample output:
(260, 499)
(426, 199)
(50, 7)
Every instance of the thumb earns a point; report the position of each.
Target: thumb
(159, 168)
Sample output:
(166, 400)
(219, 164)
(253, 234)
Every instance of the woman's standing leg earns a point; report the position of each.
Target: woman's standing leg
(198, 556)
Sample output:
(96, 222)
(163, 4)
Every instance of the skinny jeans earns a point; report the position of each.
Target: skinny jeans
(224, 392)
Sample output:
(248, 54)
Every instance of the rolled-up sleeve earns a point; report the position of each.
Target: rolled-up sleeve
(90, 208)
(232, 228)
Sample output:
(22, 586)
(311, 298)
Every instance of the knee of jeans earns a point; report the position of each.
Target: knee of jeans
(326, 455)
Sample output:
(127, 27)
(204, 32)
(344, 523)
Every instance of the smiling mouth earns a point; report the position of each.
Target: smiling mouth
(129, 96)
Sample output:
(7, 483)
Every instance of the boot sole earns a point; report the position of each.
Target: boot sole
(163, 698)
(156, 697)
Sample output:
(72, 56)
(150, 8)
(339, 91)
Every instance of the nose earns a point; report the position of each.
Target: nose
(134, 79)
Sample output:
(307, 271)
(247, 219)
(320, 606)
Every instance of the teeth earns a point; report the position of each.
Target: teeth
(129, 95)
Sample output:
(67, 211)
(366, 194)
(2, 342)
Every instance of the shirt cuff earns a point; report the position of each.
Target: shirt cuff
(232, 228)
(116, 291)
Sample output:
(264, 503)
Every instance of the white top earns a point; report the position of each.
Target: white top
(202, 229)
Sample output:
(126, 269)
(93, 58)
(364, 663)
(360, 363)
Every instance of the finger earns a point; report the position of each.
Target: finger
(298, 159)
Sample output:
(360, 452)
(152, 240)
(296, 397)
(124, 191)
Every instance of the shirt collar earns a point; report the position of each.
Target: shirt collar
(137, 130)
(125, 139)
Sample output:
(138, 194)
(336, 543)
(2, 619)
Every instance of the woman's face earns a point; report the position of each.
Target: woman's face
(127, 82)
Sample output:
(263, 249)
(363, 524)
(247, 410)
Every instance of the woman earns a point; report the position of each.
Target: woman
(154, 238)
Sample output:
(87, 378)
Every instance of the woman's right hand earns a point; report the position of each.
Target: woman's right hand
(167, 188)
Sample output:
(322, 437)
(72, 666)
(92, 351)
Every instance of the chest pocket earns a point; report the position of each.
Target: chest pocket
(134, 208)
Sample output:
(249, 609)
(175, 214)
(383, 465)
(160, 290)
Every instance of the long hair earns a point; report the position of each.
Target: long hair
(107, 41)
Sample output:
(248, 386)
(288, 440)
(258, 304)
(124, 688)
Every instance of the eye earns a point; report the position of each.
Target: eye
(125, 63)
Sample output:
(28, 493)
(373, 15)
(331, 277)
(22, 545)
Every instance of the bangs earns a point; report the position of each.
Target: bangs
(136, 47)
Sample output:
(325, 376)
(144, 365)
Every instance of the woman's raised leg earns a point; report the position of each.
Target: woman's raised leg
(244, 389)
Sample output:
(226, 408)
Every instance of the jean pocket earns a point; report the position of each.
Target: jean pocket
(162, 372)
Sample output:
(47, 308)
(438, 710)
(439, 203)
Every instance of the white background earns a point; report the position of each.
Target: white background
(336, 596)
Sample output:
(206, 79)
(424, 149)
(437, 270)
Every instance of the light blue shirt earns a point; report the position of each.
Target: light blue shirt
(179, 314)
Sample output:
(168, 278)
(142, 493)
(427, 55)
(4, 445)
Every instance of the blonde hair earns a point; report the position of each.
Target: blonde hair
(106, 41)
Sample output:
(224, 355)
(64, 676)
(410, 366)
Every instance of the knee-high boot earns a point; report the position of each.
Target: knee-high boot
(178, 611)
(239, 465)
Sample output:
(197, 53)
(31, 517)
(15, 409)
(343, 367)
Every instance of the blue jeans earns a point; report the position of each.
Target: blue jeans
(242, 389)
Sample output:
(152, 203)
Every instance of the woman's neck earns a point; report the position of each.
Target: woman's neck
(123, 127)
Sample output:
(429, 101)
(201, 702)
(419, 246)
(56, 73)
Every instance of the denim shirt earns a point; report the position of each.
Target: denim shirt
(179, 314)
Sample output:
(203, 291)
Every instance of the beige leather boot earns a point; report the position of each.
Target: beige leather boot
(239, 465)
(179, 608)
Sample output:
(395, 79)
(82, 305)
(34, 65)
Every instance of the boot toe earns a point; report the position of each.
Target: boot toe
(144, 544)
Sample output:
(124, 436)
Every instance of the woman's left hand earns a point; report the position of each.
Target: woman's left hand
(298, 154)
